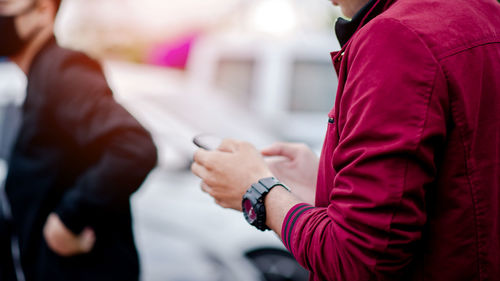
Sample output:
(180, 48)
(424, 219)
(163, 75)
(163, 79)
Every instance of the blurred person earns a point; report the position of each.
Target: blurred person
(74, 158)
(408, 183)
(12, 91)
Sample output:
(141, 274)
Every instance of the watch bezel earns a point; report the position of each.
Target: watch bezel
(247, 212)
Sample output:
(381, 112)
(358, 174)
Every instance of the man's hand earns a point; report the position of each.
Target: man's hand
(63, 242)
(295, 165)
(228, 172)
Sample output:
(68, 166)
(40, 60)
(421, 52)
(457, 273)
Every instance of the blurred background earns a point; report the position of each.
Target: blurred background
(256, 70)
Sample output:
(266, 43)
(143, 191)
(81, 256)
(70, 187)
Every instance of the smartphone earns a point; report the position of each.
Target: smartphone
(207, 141)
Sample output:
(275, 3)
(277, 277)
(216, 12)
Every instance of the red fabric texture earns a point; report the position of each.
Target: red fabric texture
(409, 177)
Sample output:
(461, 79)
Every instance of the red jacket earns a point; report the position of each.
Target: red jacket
(409, 177)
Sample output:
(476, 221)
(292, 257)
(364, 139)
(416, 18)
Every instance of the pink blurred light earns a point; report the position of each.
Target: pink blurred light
(173, 53)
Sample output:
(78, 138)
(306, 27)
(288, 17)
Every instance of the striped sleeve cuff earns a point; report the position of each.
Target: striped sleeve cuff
(291, 218)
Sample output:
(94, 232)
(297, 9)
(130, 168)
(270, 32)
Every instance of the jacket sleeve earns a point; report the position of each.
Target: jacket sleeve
(391, 122)
(86, 111)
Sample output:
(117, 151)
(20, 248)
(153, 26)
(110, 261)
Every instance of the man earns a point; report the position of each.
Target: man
(77, 158)
(408, 183)
(12, 92)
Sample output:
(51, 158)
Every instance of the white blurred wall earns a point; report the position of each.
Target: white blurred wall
(97, 26)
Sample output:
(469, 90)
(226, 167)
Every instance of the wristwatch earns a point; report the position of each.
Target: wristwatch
(253, 202)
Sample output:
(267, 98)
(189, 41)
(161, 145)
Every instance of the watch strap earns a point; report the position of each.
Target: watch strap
(271, 182)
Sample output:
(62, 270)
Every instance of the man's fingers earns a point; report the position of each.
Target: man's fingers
(208, 159)
(272, 150)
(63, 242)
(199, 170)
(86, 240)
(203, 173)
(202, 157)
(228, 145)
(288, 150)
(206, 188)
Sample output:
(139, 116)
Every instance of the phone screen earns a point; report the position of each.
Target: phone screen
(207, 141)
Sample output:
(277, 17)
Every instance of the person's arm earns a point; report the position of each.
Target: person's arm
(86, 112)
(391, 124)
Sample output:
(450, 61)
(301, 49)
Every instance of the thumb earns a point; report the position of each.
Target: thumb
(284, 149)
(86, 240)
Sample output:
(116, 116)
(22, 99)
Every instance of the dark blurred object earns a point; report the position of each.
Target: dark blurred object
(6, 265)
(207, 141)
(277, 265)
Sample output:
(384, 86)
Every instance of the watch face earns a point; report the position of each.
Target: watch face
(249, 210)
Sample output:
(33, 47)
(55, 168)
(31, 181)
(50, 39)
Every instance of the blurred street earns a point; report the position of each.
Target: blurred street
(178, 227)
(258, 71)
(182, 235)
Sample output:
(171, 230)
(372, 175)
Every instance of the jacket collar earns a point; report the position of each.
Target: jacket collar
(345, 29)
